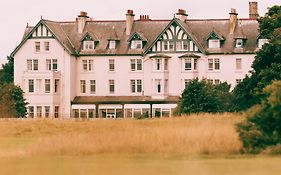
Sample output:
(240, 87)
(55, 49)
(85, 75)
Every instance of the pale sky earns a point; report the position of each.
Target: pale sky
(15, 14)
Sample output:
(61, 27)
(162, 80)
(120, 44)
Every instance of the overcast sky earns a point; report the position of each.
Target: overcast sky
(15, 14)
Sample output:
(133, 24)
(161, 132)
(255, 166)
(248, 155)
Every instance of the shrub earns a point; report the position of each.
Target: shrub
(262, 128)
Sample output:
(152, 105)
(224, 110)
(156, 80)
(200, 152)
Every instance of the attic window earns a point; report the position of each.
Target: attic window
(112, 44)
(214, 43)
(136, 44)
(88, 45)
(239, 43)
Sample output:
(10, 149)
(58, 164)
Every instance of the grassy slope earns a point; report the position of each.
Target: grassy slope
(205, 144)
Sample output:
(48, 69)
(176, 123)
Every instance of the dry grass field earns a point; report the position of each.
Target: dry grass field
(198, 144)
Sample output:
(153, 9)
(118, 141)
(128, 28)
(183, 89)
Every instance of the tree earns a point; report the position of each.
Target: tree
(267, 63)
(7, 72)
(12, 103)
(201, 96)
(262, 128)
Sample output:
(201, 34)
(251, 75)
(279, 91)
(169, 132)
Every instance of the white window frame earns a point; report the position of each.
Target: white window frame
(214, 43)
(238, 63)
(82, 86)
(37, 46)
(92, 86)
(239, 43)
(31, 86)
(111, 65)
(39, 111)
(158, 86)
(112, 44)
(136, 64)
(56, 111)
(48, 86)
(51, 64)
(32, 64)
(136, 44)
(111, 86)
(88, 45)
(214, 64)
(47, 111)
(47, 46)
(56, 85)
(158, 64)
(136, 86)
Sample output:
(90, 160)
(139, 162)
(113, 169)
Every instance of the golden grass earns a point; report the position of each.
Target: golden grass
(192, 135)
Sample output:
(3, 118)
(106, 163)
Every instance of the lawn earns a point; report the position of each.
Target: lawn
(198, 144)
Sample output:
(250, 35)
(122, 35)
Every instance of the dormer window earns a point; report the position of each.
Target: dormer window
(214, 43)
(136, 44)
(261, 42)
(112, 44)
(239, 43)
(88, 45)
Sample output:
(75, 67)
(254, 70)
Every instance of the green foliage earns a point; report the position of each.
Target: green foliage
(201, 96)
(7, 72)
(267, 63)
(12, 103)
(263, 125)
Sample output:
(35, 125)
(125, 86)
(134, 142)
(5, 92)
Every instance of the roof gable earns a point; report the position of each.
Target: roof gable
(89, 37)
(41, 30)
(137, 36)
(214, 35)
(175, 31)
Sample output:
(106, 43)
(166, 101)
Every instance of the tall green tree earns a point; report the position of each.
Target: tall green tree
(7, 72)
(267, 63)
(12, 103)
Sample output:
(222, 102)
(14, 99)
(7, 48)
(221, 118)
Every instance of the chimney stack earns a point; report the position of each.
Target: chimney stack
(130, 17)
(253, 10)
(232, 20)
(181, 15)
(144, 18)
(82, 18)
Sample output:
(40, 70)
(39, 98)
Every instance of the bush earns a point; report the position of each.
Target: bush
(262, 127)
(201, 96)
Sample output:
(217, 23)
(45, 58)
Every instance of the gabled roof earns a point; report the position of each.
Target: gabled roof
(214, 34)
(137, 36)
(67, 35)
(89, 36)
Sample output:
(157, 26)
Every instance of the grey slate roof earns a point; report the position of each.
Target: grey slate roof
(66, 33)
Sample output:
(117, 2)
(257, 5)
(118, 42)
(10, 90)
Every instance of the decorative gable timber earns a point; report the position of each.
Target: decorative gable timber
(29, 35)
(214, 35)
(89, 37)
(41, 31)
(175, 31)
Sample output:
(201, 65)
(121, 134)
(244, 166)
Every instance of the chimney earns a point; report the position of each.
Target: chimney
(130, 17)
(253, 10)
(82, 18)
(181, 15)
(232, 20)
(144, 18)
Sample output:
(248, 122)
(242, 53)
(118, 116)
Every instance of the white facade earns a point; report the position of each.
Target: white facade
(55, 79)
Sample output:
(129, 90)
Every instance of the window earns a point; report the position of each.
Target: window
(48, 64)
(88, 45)
(186, 82)
(136, 44)
(111, 65)
(88, 65)
(179, 45)
(158, 64)
(166, 64)
(55, 64)
(136, 64)
(238, 81)
(111, 86)
(238, 63)
(29, 64)
(214, 43)
(166, 86)
(213, 64)
(38, 85)
(239, 43)
(56, 112)
(217, 81)
(187, 64)
(39, 111)
(47, 45)
(165, 45)
(195, 63)
(47, 85)
(47, 111)
(112, 44)
(51, 64)
(82, 86)
(32, 65)
(171, 45)
(37, 46)
(185, 44)
(57, 82)
(31, 111)
(35, 64)
(182, 45)
(261, 42)
(158, 85)
(93, 86)
(136, 86)
(30, 85)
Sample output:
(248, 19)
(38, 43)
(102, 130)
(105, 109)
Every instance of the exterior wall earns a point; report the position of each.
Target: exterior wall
(39, 98)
